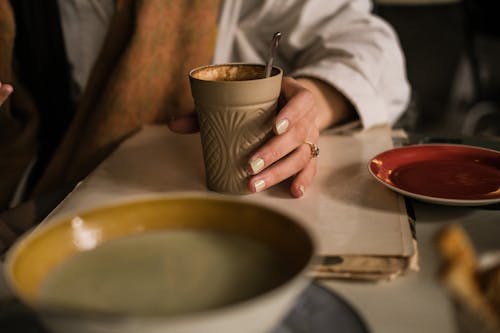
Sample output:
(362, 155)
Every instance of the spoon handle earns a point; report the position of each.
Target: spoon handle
(272, 52)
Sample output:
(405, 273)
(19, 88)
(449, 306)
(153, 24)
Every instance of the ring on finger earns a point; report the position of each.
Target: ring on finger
(314, 149)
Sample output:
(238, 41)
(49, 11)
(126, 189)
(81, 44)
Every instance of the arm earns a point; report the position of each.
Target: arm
(347, 63)
(336, 41)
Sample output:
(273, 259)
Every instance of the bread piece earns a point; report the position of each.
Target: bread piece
(461, 275)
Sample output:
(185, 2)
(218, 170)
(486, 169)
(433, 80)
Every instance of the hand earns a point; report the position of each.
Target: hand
(184, 125)
(311, 105)
(5, 91)
(286, 154)
(299, 113)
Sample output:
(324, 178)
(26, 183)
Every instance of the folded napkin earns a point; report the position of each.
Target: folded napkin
(362, 228)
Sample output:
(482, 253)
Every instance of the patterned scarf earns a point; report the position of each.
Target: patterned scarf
(140, 77)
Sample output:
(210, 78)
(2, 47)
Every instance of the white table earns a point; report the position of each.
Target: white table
(415, 302)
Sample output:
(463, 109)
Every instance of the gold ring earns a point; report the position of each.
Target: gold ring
(314, 149)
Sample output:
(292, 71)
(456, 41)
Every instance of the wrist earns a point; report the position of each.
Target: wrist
(332, 106)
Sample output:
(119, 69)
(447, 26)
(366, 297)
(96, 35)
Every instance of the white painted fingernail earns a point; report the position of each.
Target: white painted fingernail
(259, 185)
(281, 126)
(257, 164)
(302, 189)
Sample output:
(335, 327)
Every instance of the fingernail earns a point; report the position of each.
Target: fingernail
(281, 126)
(257, 164)
(259, 185)
(302, 189)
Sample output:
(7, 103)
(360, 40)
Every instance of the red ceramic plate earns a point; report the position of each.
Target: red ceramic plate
(441, 173)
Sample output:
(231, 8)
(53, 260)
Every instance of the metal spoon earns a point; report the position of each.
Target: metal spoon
(272, 53)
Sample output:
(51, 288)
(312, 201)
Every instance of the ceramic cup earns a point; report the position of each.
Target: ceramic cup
(236, 106)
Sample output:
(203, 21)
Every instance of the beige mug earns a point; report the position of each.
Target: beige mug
(236, 106)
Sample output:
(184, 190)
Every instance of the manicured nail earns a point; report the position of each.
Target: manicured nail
(302, 189)
(281, 126)
(257, 164)
(259, 185)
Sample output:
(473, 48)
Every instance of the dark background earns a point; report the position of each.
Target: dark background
(452, 56)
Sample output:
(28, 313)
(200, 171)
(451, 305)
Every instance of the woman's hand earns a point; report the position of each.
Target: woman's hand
(311, 105)
(5, 91)
(185, 124)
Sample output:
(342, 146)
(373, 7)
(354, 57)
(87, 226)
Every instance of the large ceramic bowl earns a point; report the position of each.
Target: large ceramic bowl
(190, 263)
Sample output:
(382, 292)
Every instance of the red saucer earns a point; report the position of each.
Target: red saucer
(441, 173)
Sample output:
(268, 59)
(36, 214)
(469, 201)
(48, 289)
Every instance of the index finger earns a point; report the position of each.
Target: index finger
(299, 101)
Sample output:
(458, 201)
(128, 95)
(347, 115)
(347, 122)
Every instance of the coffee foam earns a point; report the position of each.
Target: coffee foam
(230, 73)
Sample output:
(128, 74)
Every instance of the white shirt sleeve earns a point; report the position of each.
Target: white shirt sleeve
(338, 41)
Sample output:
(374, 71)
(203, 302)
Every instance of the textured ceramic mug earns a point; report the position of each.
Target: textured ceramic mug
(236, 106)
